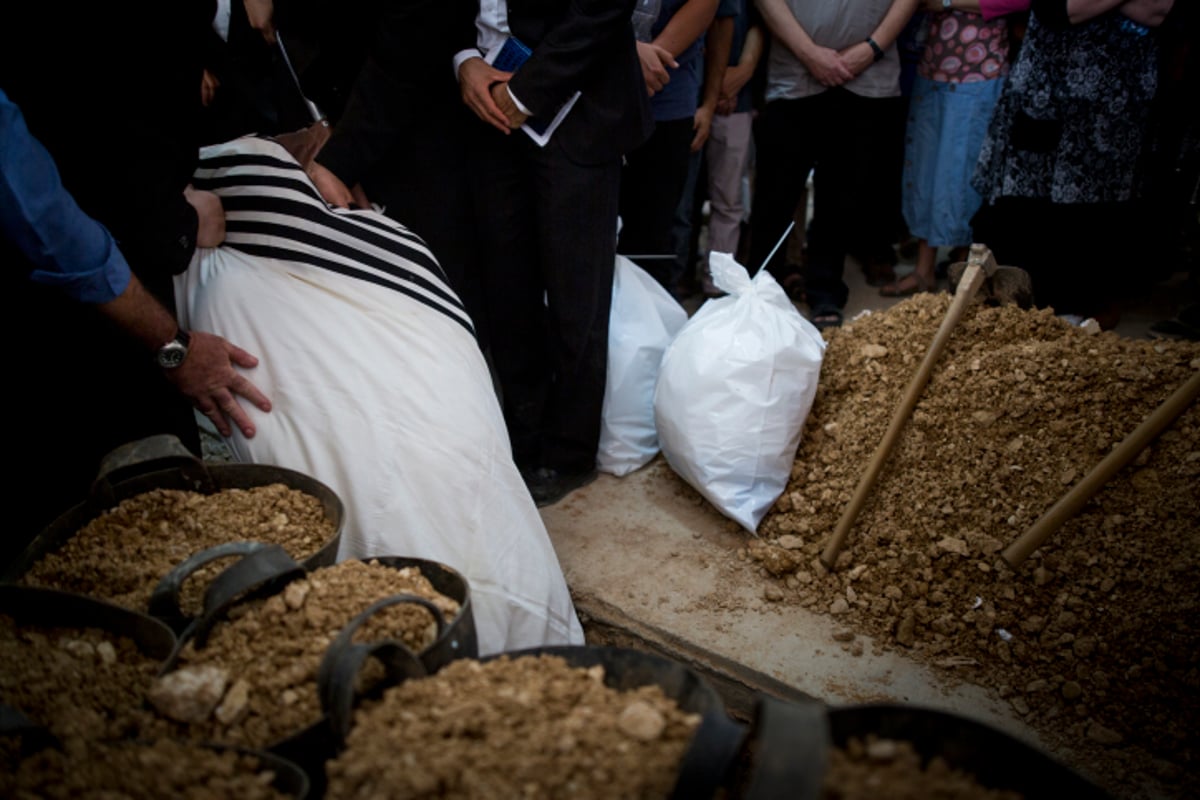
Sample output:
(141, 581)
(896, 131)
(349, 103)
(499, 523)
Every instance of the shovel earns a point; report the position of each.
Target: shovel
(305, 143)
(1001, 285)
(1074, 500)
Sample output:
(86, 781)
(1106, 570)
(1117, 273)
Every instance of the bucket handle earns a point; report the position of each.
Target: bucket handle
(263, 569)
(710, 756)
(791, 742)
(344, 659)
(142, 456)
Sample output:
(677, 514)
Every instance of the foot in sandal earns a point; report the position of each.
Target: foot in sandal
(908, 285)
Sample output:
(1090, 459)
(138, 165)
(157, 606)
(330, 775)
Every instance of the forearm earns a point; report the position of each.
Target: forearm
(1062, 13)
(893, 22)
(1150, 13)
(1082, 10)
(687, 25)
(784, 26)
(751, 49)
(140, 315)
(716, 59)
(737, 76)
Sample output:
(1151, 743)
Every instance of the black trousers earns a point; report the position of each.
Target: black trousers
(1078, 255)
(848, 141)
(547, 235)
(86, 388)
(652, 183)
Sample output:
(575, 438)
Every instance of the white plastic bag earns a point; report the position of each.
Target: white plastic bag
(734, 390)
(643, 321)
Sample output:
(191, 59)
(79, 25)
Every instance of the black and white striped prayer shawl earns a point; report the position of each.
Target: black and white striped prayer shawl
(273, 210)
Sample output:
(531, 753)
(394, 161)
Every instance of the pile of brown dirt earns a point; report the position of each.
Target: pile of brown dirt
(254, 681)
(523, 727)
(77, 682)
(122, 554)
(1093, 639)
(92, 769)
(865, 770)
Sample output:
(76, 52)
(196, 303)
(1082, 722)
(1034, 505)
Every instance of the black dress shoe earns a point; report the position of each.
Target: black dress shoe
(548, 485)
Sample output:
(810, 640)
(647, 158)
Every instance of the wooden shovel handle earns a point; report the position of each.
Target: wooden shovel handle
(1070, 503)
(968, 285)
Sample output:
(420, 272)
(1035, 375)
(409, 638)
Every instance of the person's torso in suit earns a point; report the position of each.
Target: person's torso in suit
(586, 45)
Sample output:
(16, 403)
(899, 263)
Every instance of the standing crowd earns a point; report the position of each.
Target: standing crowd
(1030, 126)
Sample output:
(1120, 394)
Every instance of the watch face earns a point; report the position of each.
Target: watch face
(171, 355)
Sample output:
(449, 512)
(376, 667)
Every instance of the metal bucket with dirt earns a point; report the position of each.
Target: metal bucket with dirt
(808, 750)
(154, 504)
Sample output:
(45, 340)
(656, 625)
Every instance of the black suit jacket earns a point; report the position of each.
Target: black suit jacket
(586, 46)
(396, 60)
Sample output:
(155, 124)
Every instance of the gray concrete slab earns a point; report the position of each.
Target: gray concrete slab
(651, 567)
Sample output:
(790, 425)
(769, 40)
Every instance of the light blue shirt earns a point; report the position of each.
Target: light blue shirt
(69, 249)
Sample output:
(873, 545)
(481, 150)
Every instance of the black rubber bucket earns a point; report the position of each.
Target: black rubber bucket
(31, 607)
(34, 606)
(286, 778)
(265, 570)
(788, 750)
(706, 763)
(995, 758)
(162, 462)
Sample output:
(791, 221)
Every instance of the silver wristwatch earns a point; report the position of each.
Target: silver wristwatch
(172, 354)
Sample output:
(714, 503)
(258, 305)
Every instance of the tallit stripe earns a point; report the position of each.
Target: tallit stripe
(319, 216)
(273, 210)
(312, 259)
(257, 177)
(316, 240)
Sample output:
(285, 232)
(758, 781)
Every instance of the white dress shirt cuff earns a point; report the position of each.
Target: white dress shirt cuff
(463, 55)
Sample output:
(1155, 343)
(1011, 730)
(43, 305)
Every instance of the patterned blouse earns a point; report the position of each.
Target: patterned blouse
(963, 47)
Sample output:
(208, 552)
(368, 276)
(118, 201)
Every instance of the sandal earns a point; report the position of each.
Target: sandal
(826, 316)
(910, 284)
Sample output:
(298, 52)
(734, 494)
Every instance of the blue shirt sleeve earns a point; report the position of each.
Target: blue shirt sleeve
(69, 249)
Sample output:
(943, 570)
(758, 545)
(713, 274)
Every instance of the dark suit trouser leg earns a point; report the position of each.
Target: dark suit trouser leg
(652, 184)
(851, 187)
(785, 150)
(548, 230)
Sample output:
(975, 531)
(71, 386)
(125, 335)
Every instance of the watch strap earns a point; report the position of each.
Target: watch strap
(875, 48)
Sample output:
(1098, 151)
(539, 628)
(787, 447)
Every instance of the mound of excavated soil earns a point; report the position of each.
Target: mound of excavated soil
(1093, 638)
